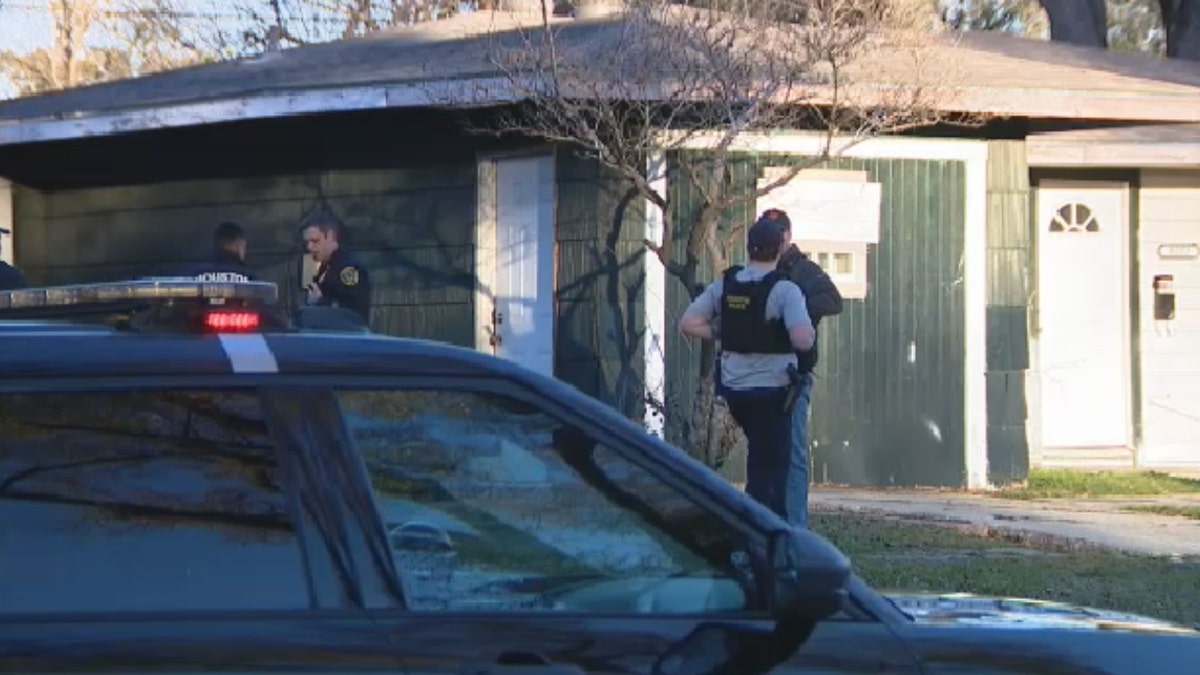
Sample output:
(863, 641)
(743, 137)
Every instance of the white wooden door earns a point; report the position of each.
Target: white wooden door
(524, 265)
(1083, 292)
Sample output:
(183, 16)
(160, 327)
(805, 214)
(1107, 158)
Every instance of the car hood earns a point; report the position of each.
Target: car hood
(978, 611)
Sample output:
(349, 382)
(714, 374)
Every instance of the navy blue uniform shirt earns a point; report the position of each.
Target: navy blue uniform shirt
(222, 266)
(344, 282)
(11, 277)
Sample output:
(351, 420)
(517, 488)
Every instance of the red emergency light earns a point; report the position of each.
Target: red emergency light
(231, 321)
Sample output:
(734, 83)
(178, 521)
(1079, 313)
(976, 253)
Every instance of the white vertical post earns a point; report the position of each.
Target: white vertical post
(654, 342)
(485, 253)
(975, 299)
(7, 221)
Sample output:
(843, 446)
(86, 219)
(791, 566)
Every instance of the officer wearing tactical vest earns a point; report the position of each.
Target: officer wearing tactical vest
(341, 279)
(822, 299)
(763, 322)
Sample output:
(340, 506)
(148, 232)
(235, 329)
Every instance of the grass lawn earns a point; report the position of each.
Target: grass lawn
(1062, 483)
(899, 556)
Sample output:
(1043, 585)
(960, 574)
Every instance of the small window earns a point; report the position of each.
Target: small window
(493, 505)
(1074, 218)
(844, 262)
(149, 501)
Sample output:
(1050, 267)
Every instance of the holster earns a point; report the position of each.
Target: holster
(795, 383)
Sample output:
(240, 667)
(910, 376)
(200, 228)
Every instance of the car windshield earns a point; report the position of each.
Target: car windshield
(194, 500)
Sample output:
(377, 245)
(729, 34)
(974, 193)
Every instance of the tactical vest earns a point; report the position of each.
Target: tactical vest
(745, 328)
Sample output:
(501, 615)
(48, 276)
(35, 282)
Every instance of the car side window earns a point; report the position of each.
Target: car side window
(491, 504)
(143, 501)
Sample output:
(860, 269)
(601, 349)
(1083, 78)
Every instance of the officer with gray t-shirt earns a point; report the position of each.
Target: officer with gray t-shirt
(763, 322)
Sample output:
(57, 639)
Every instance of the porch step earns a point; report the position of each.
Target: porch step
(1090, 458)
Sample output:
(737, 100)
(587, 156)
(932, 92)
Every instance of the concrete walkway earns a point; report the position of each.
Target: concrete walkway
(1095, 522)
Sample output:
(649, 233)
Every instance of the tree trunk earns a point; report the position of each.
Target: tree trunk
(714, 433)
(1181, 19)
(1079, 22)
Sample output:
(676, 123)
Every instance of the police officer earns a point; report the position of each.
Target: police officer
(228, 260)
(823, 299)
(10, 277)
(341, 279)
(761, 320)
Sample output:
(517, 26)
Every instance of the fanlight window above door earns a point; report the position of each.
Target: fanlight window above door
(1074, 218)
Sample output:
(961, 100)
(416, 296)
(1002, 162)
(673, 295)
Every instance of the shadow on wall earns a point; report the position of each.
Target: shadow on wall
(600, 351)
(884, 445)
(413, 228)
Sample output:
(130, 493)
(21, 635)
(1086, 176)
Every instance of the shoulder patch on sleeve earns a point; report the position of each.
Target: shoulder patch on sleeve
(349, 275)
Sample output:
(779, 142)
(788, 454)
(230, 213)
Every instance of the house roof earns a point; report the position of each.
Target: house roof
(1004, 75)
(1120, 146)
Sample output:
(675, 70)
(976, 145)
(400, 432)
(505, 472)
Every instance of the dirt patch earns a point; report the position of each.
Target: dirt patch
(959, 556)
(1004, 534)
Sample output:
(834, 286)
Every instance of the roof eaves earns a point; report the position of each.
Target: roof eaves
(264, 104)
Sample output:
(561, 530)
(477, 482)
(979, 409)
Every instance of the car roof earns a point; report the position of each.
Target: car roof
(51, 349)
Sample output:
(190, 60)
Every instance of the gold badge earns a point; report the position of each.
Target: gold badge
(349, 276)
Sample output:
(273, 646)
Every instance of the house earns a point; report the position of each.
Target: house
(1019, 293)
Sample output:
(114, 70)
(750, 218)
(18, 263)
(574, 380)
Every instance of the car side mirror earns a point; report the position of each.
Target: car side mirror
(809, 577)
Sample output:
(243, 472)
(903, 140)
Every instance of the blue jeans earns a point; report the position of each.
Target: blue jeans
(797, 483)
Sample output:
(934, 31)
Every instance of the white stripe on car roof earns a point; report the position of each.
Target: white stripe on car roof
(249, 353)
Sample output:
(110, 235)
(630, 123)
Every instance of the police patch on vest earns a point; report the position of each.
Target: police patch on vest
(737, 301)
(349, 276)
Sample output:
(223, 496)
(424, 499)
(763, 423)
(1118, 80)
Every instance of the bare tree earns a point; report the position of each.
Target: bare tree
(1024, 17)
(138, 37)
(1181, 19)
(158, 35)
(301, 22)
(660, 93)
(68, 61)
(1136, 26)
(1081, 22)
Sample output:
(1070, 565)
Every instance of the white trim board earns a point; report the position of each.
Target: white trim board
(8, 221)
(1059, 153)
(484, 301)
(654, 289)
(974, 154)
(261, 105)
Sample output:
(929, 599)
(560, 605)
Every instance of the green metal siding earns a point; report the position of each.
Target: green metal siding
(1009, 284)
(877, 418)
(599, 301)
(413, 228)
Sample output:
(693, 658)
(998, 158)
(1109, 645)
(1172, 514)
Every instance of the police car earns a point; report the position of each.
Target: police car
(193, 480)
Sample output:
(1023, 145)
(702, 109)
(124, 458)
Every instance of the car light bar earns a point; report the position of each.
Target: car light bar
(143, 292)
(231, 322)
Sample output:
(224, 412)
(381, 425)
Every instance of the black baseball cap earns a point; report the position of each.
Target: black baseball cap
(777, 216)
(765, 235)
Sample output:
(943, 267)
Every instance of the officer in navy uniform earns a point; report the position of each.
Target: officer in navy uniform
(11, 278)
(761, 320)
(341, 279)
(228, 260)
